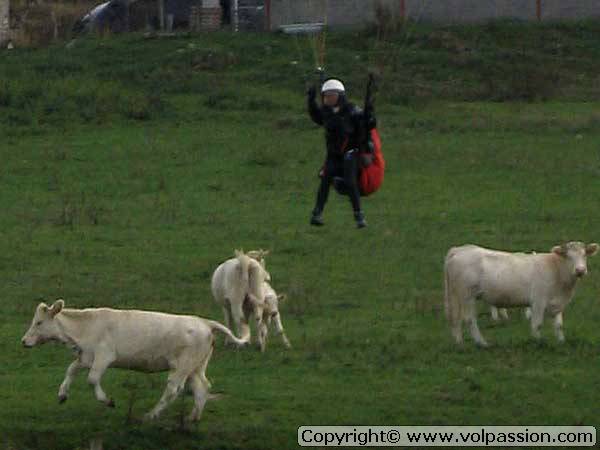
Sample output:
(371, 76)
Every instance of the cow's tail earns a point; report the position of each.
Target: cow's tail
(452, 302)
(446, 299)
(244, 263)
(227, 332)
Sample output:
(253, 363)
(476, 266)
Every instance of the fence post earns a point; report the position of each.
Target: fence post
(403, 9)
(4, 22)
(538, 9)
(268, 15)
(161, 14)
(236, 16)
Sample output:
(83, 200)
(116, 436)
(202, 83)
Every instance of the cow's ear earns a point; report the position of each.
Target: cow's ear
(265, 252)
(43, 307)
(560, 250)
(281, 297)
(591, 249)
(57, 307)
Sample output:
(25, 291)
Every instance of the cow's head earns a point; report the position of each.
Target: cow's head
(258, 255)
(576, 253)
(43, 326)
(272, 304)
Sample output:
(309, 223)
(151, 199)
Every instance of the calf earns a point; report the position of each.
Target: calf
(271, 313)
(271, 301)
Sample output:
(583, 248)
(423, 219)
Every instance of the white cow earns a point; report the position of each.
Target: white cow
(503, 312)
(543, 281)
(129, 339)
(238, 287)
(271, 311)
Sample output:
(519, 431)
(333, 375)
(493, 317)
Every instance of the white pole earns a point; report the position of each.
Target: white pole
(236, 17)
(161, 14)
(4, 22)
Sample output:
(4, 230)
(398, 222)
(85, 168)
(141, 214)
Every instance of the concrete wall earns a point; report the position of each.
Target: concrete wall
(4, 22)
(211, 15)
(358, 12)
(335, 12)
(457, 11)
(573, 9)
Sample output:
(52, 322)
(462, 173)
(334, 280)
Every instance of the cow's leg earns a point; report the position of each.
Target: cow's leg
(261, 326)
(200, 389)
(454, 304)
(101, 362)
(204, 365)
(498, 312)
(281, 331)
(471, 318)
(494, 312)
(175, 383)
(457, 331)
(228, 320)
(537, 318)
(528, 313)
(237, 311)
(558, 327)
(63, 391)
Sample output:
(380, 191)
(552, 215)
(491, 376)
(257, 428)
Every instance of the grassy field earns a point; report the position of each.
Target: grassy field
(131, 168)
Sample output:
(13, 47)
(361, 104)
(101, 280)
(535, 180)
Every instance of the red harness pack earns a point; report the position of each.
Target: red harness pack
(370, 178)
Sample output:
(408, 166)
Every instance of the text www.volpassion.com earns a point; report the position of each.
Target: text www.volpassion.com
(446, 436)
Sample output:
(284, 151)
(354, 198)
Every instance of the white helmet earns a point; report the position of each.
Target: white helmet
(333, 85)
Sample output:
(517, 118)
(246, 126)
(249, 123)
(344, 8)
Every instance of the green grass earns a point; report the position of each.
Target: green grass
(154, 164)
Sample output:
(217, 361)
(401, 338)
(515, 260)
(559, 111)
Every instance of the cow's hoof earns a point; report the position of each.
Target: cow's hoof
(62, 399)
(192, 419)
(111, 403)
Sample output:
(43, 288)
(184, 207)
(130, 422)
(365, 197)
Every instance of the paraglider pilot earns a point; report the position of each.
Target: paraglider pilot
(346, 133)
